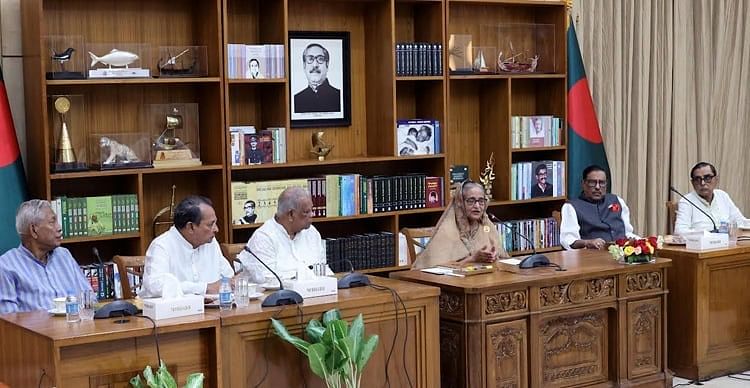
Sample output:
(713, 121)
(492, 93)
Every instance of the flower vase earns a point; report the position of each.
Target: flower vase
(637, 259)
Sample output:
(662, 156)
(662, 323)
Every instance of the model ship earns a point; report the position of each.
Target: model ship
(516, 62)
(182, 64)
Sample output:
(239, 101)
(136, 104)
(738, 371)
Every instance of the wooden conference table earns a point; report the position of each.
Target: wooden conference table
(600, 323)
(709, 311)
(230, 347)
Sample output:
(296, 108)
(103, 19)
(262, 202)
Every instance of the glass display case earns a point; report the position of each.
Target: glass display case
(182, 61)
(67, 115)
(119, 60)
(120, 150)
(522, 47)
(174, 132)
(66, 57)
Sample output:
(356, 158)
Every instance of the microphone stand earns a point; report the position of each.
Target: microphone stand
(280, 297)
(715, 230)
(352, 279)
(533, 260)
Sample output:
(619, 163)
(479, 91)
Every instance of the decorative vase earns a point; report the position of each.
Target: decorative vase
(637, 259)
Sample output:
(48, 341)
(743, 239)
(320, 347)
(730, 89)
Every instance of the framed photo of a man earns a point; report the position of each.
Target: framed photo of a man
(319, 79)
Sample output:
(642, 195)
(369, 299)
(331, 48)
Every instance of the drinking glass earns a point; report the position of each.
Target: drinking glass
(733, 231)
(242, 291)
(87, 301)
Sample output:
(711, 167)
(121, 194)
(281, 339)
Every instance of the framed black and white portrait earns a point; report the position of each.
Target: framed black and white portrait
(319, 79)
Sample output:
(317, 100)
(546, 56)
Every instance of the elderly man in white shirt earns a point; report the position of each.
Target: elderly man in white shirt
(288, 243)
(188, 252)
(708, 198)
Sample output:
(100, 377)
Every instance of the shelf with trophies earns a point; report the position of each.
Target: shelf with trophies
(175, 133)
(522, 47)
(182, 61)
(119, 60)
(120, 151)
(66, 57)
(67, 115)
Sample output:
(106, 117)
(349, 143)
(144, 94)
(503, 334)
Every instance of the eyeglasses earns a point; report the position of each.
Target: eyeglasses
(700, 179)
(593, 183)
(321, 59)
(472, 201)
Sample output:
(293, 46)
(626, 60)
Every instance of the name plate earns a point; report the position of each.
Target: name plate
(700, 241)
(312, 288)
(163, 308)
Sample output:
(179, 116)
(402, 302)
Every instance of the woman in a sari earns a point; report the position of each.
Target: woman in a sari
(464, 233)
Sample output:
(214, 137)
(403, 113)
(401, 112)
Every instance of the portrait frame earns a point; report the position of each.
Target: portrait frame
(303, 112)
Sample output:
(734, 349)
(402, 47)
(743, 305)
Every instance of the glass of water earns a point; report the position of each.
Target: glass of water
(242, 290)
(87, 303)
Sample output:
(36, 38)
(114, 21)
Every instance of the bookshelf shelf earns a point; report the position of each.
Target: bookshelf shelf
(526, 201)
(134, 81)
(120, 236)
(420, 78)
(281, 81)
(134, 171)
(336, 162)
(318, 220)
(538, 149)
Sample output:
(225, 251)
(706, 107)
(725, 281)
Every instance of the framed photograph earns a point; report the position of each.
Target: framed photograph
(319, 79)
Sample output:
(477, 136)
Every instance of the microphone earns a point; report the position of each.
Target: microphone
(352, 279)
(280, 297)
(715, 230)
(533, 260)
(96, 255)
(100, 274)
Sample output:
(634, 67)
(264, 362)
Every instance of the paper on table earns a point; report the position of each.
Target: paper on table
(438, 270)
(510, 261)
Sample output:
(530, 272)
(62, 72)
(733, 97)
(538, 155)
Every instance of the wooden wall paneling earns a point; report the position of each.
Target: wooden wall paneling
(728, 303)
(494, 134)
(507, 361)
(464, 120)
(379, 72)
(644, 340)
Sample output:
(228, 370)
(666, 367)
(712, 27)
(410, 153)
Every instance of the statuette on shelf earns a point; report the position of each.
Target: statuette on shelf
(488, 176)
(66, 159)
(117, 153)
(319, 146)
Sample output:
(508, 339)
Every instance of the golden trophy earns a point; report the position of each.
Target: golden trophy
(488, 176)
(170, 151)
(319, 146)
(65, 158)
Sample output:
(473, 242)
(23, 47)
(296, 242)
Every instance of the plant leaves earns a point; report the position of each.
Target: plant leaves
(315, 330)
(335, 330)
(368, 348)
(136, 382)
(316, 355)
(194, 380)
(164, 378)
(356, 335)
(331, 315)
(149, 376)
(282, 332)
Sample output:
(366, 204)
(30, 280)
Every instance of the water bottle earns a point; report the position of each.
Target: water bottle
(225, 294)
(72, 308)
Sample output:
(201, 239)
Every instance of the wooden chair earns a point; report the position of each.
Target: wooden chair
(230, 252)
(132, 265)
(671, 215)
(411, 243)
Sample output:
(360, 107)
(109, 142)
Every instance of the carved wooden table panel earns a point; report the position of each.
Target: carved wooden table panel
(598, 323)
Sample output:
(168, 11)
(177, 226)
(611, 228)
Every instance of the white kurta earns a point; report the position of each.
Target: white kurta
(272, 244)
(722, 209)
(170, 254)
(570, 231)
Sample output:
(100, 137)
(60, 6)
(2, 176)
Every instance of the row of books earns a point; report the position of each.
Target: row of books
(338, 195)
(419, 59)
(544, 178)
(97, 216)
(542, 232)
(364, 251)
(418, 137)
(535, 131)
(102, 279)
(250, 147)
(255, 61)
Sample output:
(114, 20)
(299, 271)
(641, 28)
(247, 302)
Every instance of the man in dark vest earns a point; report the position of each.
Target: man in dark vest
(595, 217)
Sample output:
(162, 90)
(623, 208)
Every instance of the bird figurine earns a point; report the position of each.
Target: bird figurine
(319, 146)
(63, 56)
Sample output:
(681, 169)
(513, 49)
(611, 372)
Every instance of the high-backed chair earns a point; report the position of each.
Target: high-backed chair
(133, 266)
(230, 252)
(412, 234)
(671, 215)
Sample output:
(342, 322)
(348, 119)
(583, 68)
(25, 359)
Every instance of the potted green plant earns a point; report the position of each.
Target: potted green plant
(336, 350)
(163, 379)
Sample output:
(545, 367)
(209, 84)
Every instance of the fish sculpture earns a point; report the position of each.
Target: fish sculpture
(114, 58)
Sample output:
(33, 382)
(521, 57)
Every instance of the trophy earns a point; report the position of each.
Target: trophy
(65, 159)
(125, 61)
(170, 150)
(488, 176)
(480, 64)
(319, 146)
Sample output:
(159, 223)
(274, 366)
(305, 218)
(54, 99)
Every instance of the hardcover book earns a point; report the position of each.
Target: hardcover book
(99, 211)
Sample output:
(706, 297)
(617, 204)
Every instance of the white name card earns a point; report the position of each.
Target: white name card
(318, 286)
(162, 308)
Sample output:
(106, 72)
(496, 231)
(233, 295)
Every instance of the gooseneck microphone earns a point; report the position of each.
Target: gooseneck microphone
(352, 279)
(533, 260)
(280, 297)
(715, 230)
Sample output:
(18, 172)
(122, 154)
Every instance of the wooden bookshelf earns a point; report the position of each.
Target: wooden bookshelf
(474, 110)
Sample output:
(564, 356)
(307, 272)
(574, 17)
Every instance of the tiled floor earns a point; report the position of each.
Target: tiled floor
(736, 381)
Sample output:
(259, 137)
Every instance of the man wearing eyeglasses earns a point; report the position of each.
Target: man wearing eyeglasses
(595, 217)
(288, 242)
(713, 201)
(319, 95)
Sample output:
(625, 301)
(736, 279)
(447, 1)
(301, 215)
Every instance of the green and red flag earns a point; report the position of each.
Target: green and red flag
(12, 178)
(585, 146)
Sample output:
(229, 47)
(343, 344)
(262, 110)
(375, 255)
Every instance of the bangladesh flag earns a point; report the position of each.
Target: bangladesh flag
(12, 179)
(585, 145)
